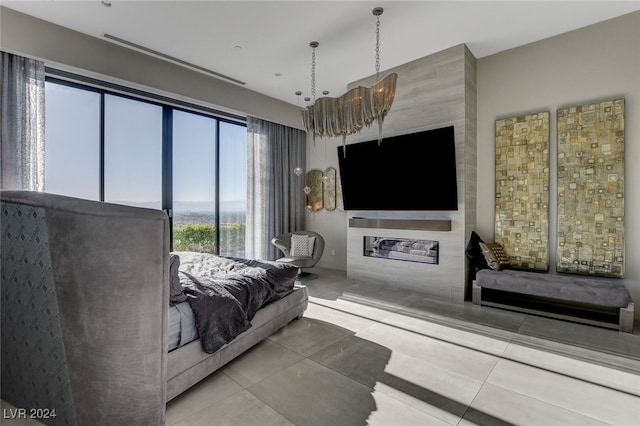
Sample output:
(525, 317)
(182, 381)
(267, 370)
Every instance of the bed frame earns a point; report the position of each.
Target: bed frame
(189, 364)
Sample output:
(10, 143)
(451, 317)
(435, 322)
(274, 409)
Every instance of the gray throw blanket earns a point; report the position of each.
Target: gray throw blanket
(225, 293)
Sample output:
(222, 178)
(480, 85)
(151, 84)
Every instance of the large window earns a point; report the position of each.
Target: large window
(132, 152)
(194, 182)
(233, 188)
(72, 146)
(110, 147)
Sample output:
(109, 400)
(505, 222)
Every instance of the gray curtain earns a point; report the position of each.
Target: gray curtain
(21, 123)
(275, 195)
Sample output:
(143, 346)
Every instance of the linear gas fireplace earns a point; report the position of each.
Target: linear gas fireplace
(409, 250)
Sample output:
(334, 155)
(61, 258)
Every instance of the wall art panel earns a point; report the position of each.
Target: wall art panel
(522, 189)
(591, 189)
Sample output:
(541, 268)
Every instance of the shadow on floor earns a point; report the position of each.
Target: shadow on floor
(579, 341)
(365, 362)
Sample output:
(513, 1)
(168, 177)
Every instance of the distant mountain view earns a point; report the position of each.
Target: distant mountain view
(199, 211)
(203, 206)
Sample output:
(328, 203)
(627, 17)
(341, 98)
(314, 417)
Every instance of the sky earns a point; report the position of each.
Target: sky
(133, 150)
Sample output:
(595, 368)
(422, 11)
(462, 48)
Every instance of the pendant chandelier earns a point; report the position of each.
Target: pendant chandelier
(357, 108)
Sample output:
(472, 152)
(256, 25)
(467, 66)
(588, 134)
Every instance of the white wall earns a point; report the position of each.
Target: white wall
(76, 52)
(330, 224)
(596, 63)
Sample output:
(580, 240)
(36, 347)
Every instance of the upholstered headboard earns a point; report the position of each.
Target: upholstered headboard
(84, 309)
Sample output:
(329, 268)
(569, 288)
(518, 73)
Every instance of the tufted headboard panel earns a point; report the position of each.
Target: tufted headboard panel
(84, 300)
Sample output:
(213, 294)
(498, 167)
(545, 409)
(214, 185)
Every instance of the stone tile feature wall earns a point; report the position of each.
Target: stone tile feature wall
(522, 189)
(591, 189)
(436, 91)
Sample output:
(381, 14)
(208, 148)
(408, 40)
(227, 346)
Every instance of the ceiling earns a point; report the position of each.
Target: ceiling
(266, 43)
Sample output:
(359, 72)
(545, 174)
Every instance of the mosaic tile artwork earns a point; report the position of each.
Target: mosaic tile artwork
(522, 190)
(591, 189)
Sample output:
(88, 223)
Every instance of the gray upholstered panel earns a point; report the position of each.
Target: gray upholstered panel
(609, 292)
(34, 364)
(109, 267)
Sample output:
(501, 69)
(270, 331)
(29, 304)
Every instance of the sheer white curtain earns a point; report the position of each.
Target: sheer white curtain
(275, 195)
(21, 123)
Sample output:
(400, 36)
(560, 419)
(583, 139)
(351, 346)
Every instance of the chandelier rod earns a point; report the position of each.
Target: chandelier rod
(377, 12)
(314, 45)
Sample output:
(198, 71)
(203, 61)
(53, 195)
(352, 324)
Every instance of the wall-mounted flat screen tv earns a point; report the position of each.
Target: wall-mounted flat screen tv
(408, 172)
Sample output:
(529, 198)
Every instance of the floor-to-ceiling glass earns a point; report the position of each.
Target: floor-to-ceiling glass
(194, 182)
(132, 152)
(109, 147)
(233, 188)
(72, 141)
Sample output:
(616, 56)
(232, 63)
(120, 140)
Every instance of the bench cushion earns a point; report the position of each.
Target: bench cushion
(582, 289)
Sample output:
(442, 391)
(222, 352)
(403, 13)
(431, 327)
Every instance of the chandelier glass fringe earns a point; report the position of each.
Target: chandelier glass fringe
(358, 108)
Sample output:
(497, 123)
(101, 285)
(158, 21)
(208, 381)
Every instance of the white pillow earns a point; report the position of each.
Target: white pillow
(302, 246)
(312, 244)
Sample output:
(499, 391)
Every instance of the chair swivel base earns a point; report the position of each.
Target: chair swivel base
(305, 276)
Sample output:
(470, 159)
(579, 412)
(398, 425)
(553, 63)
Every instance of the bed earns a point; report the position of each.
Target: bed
(86, 295)
(220, 307)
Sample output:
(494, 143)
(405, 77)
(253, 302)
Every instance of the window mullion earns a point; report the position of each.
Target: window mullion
(217, 187)
(102, 140)
(167, 167)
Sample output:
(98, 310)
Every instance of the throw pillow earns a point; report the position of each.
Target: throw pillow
(496, 258)
(300, 246)
(175, 288)
(474, 252)
(312, 243)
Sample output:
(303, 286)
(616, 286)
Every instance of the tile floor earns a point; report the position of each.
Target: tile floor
(366, 354)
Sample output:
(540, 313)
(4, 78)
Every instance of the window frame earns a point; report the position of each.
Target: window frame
(168, 105)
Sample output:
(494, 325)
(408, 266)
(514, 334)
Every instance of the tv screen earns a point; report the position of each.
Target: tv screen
(409, 172)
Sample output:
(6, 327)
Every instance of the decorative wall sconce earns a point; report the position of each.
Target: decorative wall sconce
(320, 188)
(329, 182)
(315, 199)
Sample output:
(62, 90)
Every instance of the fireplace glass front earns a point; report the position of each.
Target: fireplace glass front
(406, 249)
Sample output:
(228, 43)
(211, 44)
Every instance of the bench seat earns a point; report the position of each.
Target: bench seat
(592, 300)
